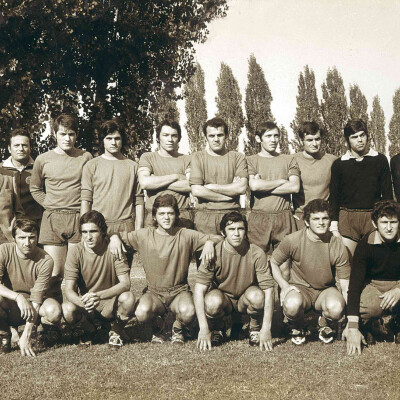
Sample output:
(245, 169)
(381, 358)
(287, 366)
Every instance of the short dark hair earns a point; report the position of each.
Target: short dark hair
(94, 217)
(353, 126)
(108, 127)
(216, 122)
(69, 121)
(230, 218)
(26, 225)
(308, 128)
(385, 208)
(265, 127)
(165, 200)
(20, 132)
(316, 206)
(171, 124)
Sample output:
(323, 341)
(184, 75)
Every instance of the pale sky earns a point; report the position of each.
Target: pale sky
(360, 37)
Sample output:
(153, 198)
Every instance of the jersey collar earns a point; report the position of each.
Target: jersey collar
(348, 156)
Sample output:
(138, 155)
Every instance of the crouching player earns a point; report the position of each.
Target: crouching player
(166, 251)
(97, 284)
(25, 272)
(318, 258)
(244, 285)
(374, 288)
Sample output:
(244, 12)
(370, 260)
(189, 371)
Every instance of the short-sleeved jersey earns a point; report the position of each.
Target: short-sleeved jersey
(315, 263)
(105, 180)
(25, 275)
(60, 175)
(166, 258)
(220, 170)
(234, 272)
(271, 168)
(94, 271)
(315, 174)
(158, 165)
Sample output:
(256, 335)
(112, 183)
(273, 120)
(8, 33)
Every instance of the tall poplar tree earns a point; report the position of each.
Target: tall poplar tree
(334, 112)
(257, 104)
(229, 105)
(358, 104)
(284, 141)
(376, 127)
(394, 126)
(308, 108)
(196, 109)
(166, 106)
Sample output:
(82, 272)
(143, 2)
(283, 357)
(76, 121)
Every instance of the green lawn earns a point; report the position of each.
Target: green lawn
(232, 371)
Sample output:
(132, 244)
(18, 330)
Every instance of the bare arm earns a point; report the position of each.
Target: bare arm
(283, 284)
(236, 188)
(86, 206)
(207, 194)
(257, 184)
(344, 285)
(291, 186)
(265, 332)
(204, 337)
(72, 294)
(139, 216)
(152, 182)
(122, 286)
(180, 186)
(25, 339)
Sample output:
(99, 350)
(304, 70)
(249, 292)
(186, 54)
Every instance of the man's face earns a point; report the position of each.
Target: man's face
(20, 149)
(358, 141)
(66, 138)
(169, 139)
(235, 233)
(312, 143)
(92, 235)
(319, 223)
(26, 242)
(270, 140)
(388, 228)
(216, 138)
(113, 143)
(166, 218)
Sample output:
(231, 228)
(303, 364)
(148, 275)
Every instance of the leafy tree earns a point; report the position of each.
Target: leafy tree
(308, 108)
(196, 109)
(257, 104)
(284, 141)
(394, 126)
(166, 106)
(334, 112)
(376, 126)
(358, 104)
(229, 104)
(103, 58)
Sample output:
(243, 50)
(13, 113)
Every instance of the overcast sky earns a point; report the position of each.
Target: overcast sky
(360, 37)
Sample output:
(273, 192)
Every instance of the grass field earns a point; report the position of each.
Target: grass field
(233, 371)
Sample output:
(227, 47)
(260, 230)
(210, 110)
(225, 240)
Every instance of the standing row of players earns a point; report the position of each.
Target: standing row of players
(215, 176)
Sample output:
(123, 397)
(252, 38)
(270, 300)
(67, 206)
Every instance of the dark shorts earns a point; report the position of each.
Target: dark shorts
(208, 221)
(124, 225)
(310, 295)
(59, 227)
(234, 303)
(267, 230)
(298, 218)
(354, 224)
(370, 300)
(167, 295)
(185, 219)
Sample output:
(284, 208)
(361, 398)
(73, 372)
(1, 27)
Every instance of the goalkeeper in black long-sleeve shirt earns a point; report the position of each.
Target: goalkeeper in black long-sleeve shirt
(374, 288)
(359, 178)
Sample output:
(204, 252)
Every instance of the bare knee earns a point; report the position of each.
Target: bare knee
(334, 309)
(214, 303)
(293, 306)
(186, 312)
(144, 311)
(52, 311)
(71, 312)
(126, 304)
(255, 298)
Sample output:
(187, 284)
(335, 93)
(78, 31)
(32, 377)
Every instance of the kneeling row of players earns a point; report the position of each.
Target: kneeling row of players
(234, 277)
